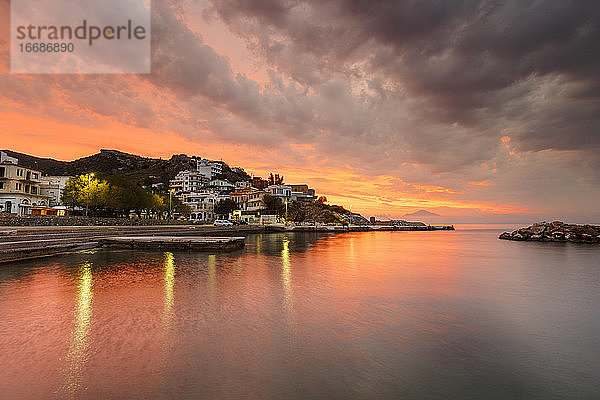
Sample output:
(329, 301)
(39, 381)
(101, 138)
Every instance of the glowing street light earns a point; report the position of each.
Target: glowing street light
(170, 202)
(89, 188)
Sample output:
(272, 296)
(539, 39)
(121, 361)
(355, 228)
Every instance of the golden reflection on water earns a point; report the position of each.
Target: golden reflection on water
(286, 274)
(169, 282)
(169, 265)
(77, 356)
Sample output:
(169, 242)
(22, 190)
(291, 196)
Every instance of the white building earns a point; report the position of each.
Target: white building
(19, 187)
(188, 181)
(221, 184)
(52, 187)
(284, 192)
(242, 185)
(208, 168)
(202, 205)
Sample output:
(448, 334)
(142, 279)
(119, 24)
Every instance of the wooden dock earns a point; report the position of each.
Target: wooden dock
(194, 243)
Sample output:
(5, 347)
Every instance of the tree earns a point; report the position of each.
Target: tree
(273, 204)
(178, 206)
(85, 191)
(111, 195)
(225, 207)
(275, 179)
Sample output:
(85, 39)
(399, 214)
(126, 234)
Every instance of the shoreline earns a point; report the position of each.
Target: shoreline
(19, 243)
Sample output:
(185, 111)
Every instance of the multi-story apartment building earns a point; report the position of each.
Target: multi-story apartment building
(302, 193)
(52, 187)
(243, 185)
(210, 169)
(240, 197)
(221, 184)
(188, 181)
(255, 200)
(284, 192)
(202, 205)
(19, 187)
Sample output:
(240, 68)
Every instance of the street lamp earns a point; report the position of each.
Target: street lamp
(89, 189)
(170, 203)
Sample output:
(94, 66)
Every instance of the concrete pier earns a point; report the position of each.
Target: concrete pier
(194, 243)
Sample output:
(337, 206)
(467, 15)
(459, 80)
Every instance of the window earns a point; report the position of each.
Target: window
(1, 185)
(2, 172)
(33, 190)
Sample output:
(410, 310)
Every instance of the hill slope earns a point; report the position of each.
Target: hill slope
(141, 170)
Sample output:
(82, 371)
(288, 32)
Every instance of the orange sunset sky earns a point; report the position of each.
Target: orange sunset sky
(474, 113)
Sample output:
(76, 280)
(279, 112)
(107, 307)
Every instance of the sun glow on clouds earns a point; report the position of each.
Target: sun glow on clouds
(371, 195)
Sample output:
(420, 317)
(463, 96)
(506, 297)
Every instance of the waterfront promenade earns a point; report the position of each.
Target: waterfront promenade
(25, 242)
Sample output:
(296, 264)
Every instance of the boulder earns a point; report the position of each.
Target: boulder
(505, 236)
(517, 236)
(538, 228)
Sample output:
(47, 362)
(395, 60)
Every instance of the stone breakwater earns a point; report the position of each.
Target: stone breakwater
(556, 231)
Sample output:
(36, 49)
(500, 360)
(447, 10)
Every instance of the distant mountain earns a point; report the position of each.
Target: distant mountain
(421, 213)
(141, 170)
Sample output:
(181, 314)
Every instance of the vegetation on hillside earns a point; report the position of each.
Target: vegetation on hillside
(116, 196)
(142, 171)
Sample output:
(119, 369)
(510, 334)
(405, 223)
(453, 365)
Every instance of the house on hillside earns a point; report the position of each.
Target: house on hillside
(302, 193)
(284, 192)
(222, 185)
(53, 187)
(188, 181)
(19, 187)
(210, 169)
(255, 200)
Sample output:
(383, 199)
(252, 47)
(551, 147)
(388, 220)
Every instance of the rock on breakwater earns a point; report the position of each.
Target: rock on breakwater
(556, 231)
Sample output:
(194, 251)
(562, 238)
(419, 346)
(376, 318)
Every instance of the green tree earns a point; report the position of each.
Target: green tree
(225, 206)
(274, 204)
(111, 195)
(275, 179)
(177, 205)
(85, 191)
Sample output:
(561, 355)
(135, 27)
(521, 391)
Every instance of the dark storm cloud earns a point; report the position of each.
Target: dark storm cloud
(531, 65)
(425, 92)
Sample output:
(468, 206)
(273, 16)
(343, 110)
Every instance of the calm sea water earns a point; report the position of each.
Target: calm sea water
(390, 315)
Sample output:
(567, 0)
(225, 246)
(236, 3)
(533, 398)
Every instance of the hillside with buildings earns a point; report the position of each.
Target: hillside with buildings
(140, 170)
(210, 189)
